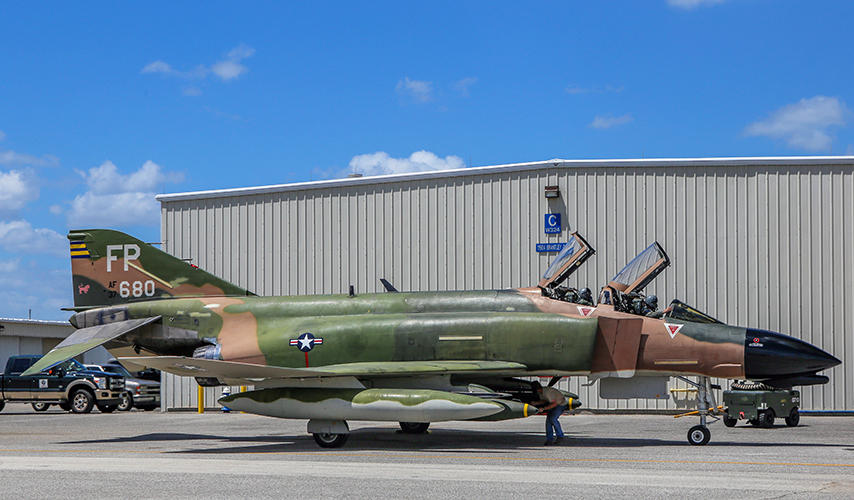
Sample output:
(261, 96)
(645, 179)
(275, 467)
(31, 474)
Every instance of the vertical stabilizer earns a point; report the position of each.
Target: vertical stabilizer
(111, 268)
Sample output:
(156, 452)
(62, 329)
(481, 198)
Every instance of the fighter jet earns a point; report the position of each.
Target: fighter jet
(409, 357)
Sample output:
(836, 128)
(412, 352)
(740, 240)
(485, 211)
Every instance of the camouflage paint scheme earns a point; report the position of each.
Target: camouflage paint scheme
(385, 356)
(549, 337)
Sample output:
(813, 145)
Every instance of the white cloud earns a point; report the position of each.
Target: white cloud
(158, 67)
(17, 188)
(463, 85)
(381, 163)
(20, 237)
(114, 210)
(9, 266)
(27, 286)
(115, 200)
(692, 4)
(805, 124)
(197, 73)
(228, 68)
(606, 122)
(419, 91)
(13, 159)
(106, 179)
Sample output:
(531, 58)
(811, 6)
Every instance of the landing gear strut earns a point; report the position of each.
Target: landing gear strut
(699, 435)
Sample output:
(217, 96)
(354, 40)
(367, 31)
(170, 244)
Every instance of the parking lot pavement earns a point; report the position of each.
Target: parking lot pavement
(216, 455)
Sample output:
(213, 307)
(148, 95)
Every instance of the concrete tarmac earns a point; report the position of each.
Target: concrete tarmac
(228, 456)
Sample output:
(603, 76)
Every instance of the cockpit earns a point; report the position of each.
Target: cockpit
(624, 291)
(574, 253)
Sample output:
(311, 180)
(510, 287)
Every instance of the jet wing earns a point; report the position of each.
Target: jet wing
(193, 367)
(84, 339)
(196, 367)
(394, 368)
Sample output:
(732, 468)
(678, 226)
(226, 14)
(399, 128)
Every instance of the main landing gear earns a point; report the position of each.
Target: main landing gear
(334, 433)
(414, 427)
(699, 435)
(329, 433)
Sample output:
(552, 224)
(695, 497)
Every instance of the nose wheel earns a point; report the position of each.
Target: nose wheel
(699, 435)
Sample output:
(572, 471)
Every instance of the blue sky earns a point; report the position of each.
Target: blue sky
(106, 104)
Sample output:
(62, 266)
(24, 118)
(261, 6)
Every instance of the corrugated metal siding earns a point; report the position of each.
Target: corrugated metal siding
(183, 392)
(764, 245)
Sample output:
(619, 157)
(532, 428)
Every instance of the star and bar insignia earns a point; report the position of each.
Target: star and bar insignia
(306, 342)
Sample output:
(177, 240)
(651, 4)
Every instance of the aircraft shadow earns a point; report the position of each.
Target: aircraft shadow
(436, 441)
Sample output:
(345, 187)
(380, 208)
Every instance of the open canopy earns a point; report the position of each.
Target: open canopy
(641, 270)
(574, 253)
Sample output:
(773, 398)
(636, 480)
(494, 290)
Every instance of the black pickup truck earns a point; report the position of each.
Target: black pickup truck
(70, 385)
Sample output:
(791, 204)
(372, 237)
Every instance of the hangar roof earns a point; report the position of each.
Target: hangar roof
(12, 327)
(555, 163)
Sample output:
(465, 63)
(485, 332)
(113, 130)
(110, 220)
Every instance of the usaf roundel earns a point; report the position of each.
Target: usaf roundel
(306, 342)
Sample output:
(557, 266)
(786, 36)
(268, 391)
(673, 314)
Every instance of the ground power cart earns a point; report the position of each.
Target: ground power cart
(760, 405)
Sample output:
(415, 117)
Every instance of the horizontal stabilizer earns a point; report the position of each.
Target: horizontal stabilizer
(85, 339)
(209, 368)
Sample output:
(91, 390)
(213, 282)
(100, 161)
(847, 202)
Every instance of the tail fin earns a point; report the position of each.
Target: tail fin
(111, 268)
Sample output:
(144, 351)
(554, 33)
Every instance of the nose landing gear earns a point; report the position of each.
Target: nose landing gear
(699, 435)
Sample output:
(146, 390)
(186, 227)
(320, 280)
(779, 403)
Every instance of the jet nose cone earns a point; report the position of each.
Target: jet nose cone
(769, 355)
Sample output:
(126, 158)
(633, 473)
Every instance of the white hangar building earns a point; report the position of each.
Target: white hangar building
(757, 242)
(33, 336)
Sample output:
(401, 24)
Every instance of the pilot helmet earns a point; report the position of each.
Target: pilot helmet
(585, 293)
(652, 301)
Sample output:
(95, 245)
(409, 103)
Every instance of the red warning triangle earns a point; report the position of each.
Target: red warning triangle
(673, 329)
(585, 311)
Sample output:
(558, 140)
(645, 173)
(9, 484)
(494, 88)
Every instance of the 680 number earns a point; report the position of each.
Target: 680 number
(137, 289)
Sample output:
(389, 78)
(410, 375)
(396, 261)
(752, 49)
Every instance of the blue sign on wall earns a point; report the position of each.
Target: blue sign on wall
(549, 247)
(552, 223)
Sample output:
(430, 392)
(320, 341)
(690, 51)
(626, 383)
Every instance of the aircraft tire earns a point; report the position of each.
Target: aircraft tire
(414, 427)
(330, 440)
(699, 435)
(766, 418)
(793, 418)
(82, 401)
(729, 421)
(127, 402)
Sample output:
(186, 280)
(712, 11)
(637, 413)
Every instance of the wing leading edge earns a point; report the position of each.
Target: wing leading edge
(193, 367)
